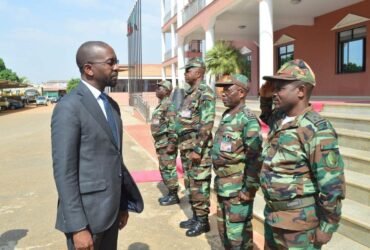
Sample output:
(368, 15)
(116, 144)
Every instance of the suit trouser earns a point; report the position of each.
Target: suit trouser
(234, 223)
(197, 180)
(278, 239)
(106, 240)
(167, 168)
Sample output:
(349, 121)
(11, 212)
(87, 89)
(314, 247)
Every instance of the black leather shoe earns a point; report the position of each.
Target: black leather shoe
(188, 223)
(165, 197)
(200, 226)
(171, 199)
(162, 198)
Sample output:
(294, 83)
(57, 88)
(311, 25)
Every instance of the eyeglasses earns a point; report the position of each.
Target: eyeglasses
(110, 62)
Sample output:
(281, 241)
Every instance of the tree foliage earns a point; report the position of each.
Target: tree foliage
(72, 83)
(224, 59)
(2, 64)
(7, 74)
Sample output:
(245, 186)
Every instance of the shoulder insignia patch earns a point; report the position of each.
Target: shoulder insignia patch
(317, 120)
(249, 113)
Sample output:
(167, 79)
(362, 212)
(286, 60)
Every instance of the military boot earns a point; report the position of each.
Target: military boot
(188, 223)
(200, 226)
(171, 199)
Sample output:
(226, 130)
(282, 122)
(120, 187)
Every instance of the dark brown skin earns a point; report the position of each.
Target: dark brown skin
(101, 70)
(293, 98)
(194, 76)
(288, 96)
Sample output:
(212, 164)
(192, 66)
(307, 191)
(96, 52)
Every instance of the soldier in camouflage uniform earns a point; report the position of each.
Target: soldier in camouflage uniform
(163, 132)
(302, 173)
(237, 163)
(194, 129)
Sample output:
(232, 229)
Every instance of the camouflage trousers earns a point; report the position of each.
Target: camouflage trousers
(197, 178)
(234, 223)
(278, 239)
(167, 168)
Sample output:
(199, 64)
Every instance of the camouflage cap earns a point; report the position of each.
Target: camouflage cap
(294, 70)
(166, 84)
(196, 62)
(237, 79)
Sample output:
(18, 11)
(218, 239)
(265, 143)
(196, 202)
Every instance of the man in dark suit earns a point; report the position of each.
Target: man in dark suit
(94, 186)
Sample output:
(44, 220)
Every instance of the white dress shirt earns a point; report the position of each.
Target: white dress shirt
(96, 93)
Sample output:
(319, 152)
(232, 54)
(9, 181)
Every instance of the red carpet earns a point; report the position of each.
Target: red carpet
(154, 175)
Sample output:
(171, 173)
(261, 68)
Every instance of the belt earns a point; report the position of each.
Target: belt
(291, 204)
(187, 136)
(229, 169)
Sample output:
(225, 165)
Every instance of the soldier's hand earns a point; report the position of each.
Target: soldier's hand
(123, 218)
(245, 196)
(171, 149)
(267, 90)
(195, 157)
(320, 237)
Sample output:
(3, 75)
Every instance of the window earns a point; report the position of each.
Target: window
(285, 54)
(248, 65)
(351, 50)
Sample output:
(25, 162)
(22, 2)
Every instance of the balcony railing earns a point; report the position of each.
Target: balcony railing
(167, 17)
(168, 54)
(142, 106)
(192, 9)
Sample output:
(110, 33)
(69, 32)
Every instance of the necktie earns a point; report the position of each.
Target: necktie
(110, 118)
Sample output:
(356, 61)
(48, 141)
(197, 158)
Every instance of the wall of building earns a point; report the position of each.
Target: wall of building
(317, 45)
(255, 62)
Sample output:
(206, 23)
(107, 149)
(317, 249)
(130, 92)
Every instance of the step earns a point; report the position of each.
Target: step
(355, 222)
(340, 240)
(356, 160)
(345, 108)
(354, 139)
(348, 121)
(358, 187)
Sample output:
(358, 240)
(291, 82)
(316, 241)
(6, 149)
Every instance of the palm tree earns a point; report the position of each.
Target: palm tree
(223, 59)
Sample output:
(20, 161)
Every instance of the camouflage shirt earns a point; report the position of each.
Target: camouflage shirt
(163, 123)
(301, 158)
(237, 141)
(195, 118)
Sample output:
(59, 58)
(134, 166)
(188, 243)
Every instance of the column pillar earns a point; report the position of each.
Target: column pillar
(266, 39)
(180, 61)
(173, 40)
(173, 75)
(209, 43)
(163, 40)
(162, 12)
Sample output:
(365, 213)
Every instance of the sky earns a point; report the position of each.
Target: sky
(39, 38)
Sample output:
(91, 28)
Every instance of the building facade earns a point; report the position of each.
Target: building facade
(330, 35)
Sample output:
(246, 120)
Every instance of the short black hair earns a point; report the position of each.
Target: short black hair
(309, 87)
(84, 54)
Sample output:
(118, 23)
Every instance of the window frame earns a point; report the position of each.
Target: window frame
(279, 64)
(340, 50)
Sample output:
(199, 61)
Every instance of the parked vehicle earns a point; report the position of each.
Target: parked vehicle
(4, 103)
(41, 100)
(15, 104)
(31, 95)
(53, 99)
